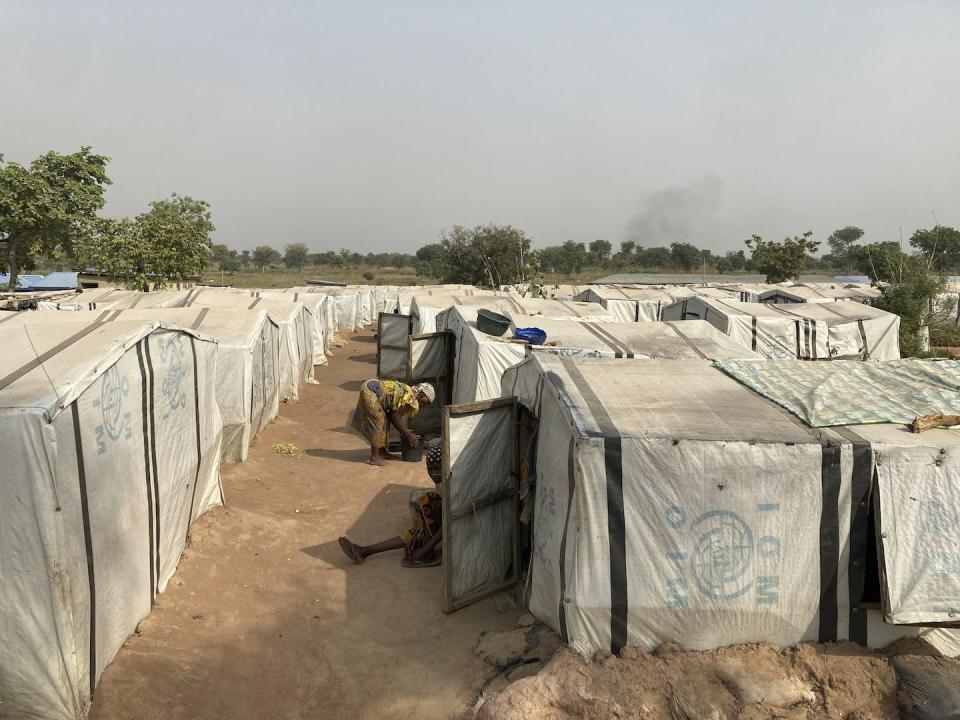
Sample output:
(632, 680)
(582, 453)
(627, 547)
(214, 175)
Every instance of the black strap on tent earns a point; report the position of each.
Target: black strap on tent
(12, 315)
(829, 540)
(145, 423)
(52, 352)
(571, 486)
(199, 321)
(616, 524)
(617, 352)
(571, 308)
(861, 487)
(687, 340)
(863, 339)
(87, 544)
(627, 352)
(796, 324)
(636, 310)
(196, 405)
(753, 332)
(135, 302)
(153, 460)
(253, 304)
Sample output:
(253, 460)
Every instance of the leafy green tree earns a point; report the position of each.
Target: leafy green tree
(494, 254)
(169, 241)
(429, 261)
(878, 260)
(626, 255)
(781, 261)
(940, 245)
(295, 256)
(909, 288)
(841, 241)
(685, 256)
(264, 256)
(550, 259)
(176, 232)
(600, 253)
(231, 265)
(573, 256)
(655, 257)
(220, 254)
(49, 205)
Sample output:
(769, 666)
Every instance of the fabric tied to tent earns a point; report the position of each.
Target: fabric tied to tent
(850, 392)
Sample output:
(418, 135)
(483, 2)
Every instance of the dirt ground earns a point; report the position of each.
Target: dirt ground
(265, 617)
(835, 681)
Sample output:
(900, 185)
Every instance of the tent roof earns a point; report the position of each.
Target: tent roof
(612, 292)
(48, 365)
(669, 399)
(693, 339)
(831, 313)
(226, 326)
(279, 310)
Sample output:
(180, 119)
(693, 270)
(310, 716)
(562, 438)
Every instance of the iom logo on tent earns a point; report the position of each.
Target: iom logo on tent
(171, 353)
(722, 560)
(115, 422)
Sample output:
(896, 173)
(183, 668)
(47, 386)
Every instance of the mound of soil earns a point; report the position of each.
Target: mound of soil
(840, 681)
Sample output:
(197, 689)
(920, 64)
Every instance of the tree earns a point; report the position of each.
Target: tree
(169, 241)
(684, 256)
(263, 256)
(600, 253)
(573, 257)
(176, 232)
(429, 261)
(46, 207)
(295, 256)
(627, 248)
(878, 260)
(781, 261)
(655, 257)
(221, 253)
(841, 241)
(940, 245)
(492, 254)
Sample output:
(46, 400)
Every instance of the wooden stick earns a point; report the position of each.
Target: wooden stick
(926, 422)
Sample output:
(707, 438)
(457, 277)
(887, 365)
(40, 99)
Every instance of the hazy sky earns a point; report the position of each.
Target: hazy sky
(374, 125)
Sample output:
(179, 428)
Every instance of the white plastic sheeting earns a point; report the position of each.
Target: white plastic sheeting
(292, 318)
(110, 439)
(480, 501)
(633, 304)
(314, 302)
(247, 376)
(804, 331)
(480, 359)
(117, 299)
(673, 504)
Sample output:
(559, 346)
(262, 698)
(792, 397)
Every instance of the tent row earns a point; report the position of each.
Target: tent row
(117, 409)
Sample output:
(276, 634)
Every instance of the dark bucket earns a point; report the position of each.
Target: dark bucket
(492, 323)
(411, 454)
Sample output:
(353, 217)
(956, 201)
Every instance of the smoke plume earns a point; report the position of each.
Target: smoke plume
(677, 214)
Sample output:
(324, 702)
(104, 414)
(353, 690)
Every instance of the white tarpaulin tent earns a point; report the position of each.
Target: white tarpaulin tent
(818, 293)
(366, 303)
(248, 346)
(804, 331)
(315, 302)
(292, 318)
(111, 444)
(349, 306)
(633, 304)
(674, 504)
(480, 359)
(117, 299)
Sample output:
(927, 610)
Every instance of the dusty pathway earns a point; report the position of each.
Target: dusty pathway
(264, 617)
